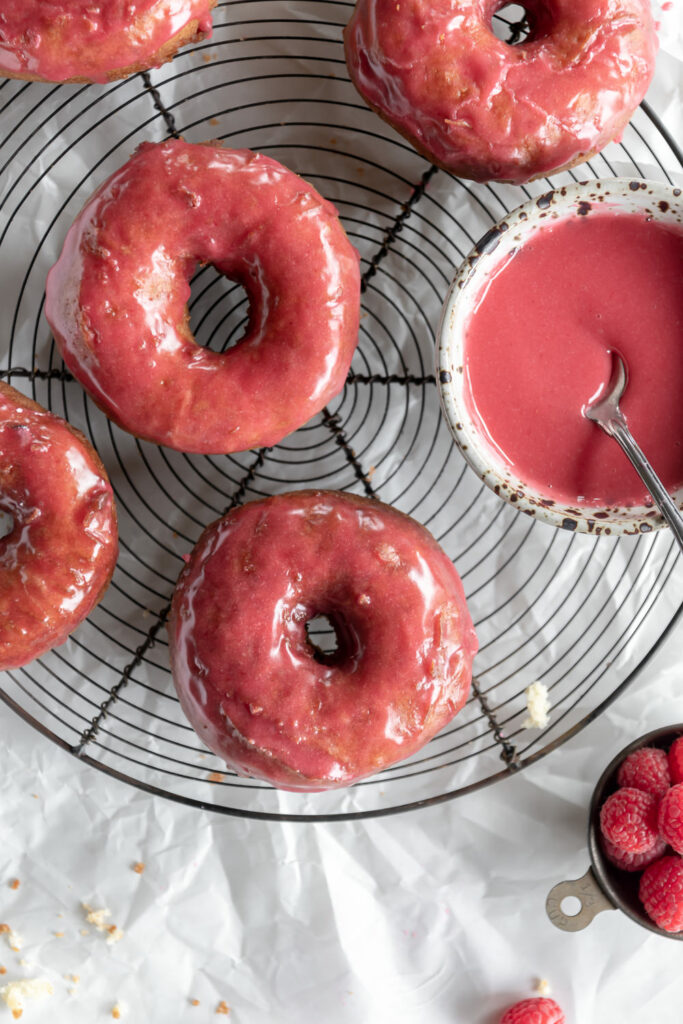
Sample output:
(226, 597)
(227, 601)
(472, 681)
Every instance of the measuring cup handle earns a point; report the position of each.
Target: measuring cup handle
(590, 895)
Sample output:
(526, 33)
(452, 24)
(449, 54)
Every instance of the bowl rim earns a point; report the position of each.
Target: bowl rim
(481, 262)
(601, 866)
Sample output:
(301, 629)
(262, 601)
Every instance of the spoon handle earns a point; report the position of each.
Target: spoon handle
(616, 426)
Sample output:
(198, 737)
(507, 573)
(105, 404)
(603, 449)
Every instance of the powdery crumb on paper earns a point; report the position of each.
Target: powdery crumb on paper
(542, 986)
(59, 935)
(18, 992)
(99, 919)
(138, 867)
(538, 706)
(223, 1008)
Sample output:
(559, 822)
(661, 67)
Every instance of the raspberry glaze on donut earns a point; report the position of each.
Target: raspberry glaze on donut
(487, 110)
(58, 558)
(117, 298)
(95, 40)
(250, 681)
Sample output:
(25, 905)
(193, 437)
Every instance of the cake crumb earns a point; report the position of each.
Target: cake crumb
(216, 777)
(96, 917)
(194, 1002)
(14, 940)
(115, 934)
(138, 867)
(3, 969)
(59, 935)
(15, 883)
(117, 1011)
(223, 1008)
(542, 986)
(99, 919)
(538, 706)
(17, 992)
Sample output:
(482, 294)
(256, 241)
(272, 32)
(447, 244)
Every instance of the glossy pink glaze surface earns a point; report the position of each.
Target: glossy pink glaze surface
(59, 40)
(117, 297)
(60, 553)
(247, 676)
(487, 110)
(537, 350)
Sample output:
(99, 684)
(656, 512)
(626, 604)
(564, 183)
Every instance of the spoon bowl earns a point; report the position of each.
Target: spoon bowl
(605, 412)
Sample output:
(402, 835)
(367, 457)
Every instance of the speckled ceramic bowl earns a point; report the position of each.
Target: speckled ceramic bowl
(623, 195)
(604, 886)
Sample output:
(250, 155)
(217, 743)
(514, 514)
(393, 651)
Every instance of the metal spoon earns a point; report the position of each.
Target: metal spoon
(606, 413)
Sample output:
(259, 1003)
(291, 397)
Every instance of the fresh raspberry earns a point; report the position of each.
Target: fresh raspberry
(671, 817)
(628, 818)
(646, 769)
(632, 861)
(676, 761)
(661, 893)
(534, 1011)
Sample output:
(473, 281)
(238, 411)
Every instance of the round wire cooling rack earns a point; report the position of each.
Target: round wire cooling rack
(581, 614)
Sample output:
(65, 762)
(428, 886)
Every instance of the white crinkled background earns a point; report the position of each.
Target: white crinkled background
(434, 917)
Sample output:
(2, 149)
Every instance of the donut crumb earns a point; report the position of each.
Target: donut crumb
(139, 867)
(223, 1008)
(538, 706)
(17, 992)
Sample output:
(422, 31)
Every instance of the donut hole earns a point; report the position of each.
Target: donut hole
(512, 24)
(219, 309)
(6, 524)
(323, 637)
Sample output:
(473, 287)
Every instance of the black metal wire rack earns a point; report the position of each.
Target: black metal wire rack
(579, 613)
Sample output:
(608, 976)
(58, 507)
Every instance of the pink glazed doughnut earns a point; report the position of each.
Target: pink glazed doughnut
(486, 110)
(116, 299)
(95, 40)
(251, 683)
(58, 558)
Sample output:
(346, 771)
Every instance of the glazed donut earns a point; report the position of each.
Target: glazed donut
(95, 40)
(60, 553)
(253, 686)
(487, 110)
(116, 300)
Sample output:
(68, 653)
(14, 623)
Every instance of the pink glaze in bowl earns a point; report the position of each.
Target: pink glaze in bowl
(658, 202)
